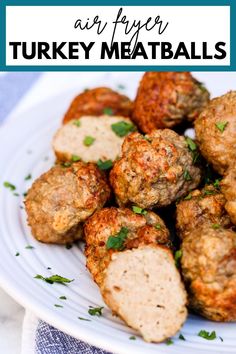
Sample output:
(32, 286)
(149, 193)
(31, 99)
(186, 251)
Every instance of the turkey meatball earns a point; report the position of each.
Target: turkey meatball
(209, 270)
(99, 101)
(201, 207)
(216, 132)
(128, 257)
(154, 170)
(62, 199)
(164, 99)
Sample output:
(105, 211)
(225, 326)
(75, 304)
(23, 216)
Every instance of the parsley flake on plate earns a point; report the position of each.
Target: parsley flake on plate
(29, 247)
(63, 297)
(9, 186)
(104, 165)
(88, 140)
(181, 337)
(116, 242)
(68, 246)
(207, 335)
(28, 177)
(54, 279)
(77, 122)
(121, 86)
(108, 111)
(132, 338)
(122, 128)
(221, 126)
(138, 210)
(56, 305)
(169, 341)
(17, 254)
(95, 311)
(83, 319)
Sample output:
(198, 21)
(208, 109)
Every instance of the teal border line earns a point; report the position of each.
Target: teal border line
(131, 67)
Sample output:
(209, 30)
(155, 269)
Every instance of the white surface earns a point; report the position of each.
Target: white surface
(16, 273)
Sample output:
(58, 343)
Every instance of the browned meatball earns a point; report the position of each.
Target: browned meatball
(99, 101)
(201, 207)
(209, 270)
(62, 198)
(142, 229)
(135, 271)
(216, 132)
(154, 170)
(228, 186)
(164, 99)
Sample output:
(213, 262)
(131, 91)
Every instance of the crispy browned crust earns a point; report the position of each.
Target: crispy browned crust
(93, 102)
(216, 146)
(164, 99)
(108, 222)
(202, 208)
(209, 270)
(62, 198)
(152, 170)
(228, 186)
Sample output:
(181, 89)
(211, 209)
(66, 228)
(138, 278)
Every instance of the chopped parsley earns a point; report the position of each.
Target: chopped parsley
(77, 122)
(169, 341)
(25, 194)
(49, 268)
(16, 194)
(158, 226)
(191, 144)
(95, 311)
(138, 210)
(215, 226)
(28, 177)
(83, 319)
(181, 337)
(222, 340)
(108, 111)
(188, 197)
(17, 254)
(104, 165)
(56, 305)
(207, 335)
(75, 158)
(208, 192)
(63, 297)
(216, 184)
(122, 128)
(29, 247)
(9, 186)
(187, 176)
(178, 255)
(221, 126)
(116, 242)
(132, 338)
(88, 140)
(121, 86)
(54, 279)
(202, 86)
(66, 164)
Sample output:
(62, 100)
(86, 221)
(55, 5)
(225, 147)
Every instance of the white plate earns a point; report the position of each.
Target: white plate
(25, 148)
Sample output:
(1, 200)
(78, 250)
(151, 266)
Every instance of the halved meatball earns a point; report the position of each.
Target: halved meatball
(98, 101)
(62, 199)
(129, 258)
(216, 132)
(165, 99)
(92, 138)
(228, 186)
(209, 270)
(201, 207)
(154, 170)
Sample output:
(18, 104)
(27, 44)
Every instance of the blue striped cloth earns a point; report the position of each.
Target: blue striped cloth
(48, 340)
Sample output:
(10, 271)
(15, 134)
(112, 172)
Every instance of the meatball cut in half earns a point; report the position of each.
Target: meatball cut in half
(99, 101)
(228, 186)
(209, 270)
(201, 207)
(129, 258)
(92, 138)
(154, 170)
(164, 99)
(62, 199)
(216, 132)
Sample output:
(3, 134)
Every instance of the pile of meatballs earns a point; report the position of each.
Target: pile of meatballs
(155, 208)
